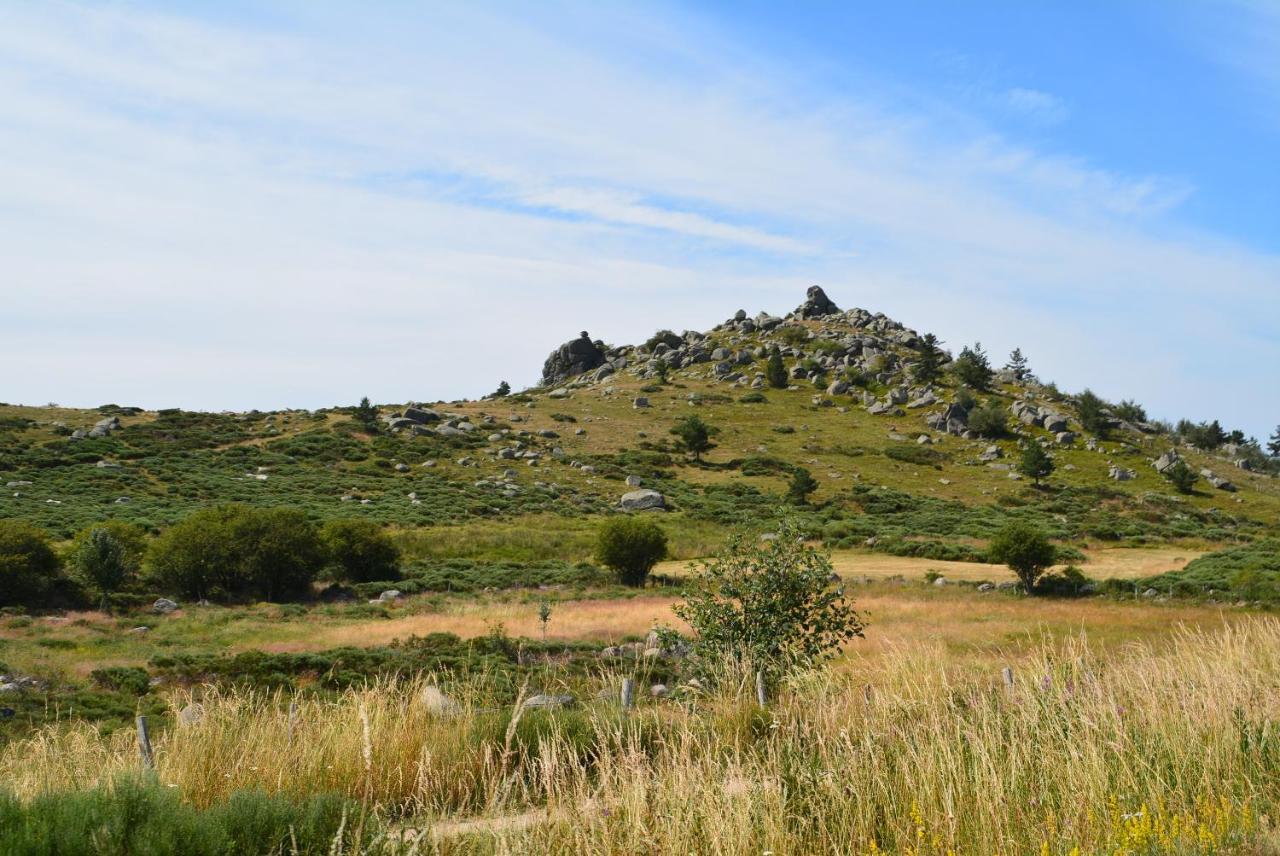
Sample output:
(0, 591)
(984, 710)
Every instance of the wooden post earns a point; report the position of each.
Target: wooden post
(762, 698)
(293, 717)
(144, 744)
(628, 693)
(868, 695)
(1007, 674)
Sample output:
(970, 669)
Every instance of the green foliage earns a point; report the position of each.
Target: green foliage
(234, 551)
(1018, 365)
(911, 453)
(28, 565)
(1129, 410)
(772, 604)
(801, 485)
(1273, 445)
(753, 398)
(1205, 435)
(360, 550)
(1248, 571)
(1091, 411)
(631, 547)
(366, 415)
(1035, 463)
(503, 390)
(1182, 477)
(793, 334)
(131, 537)
(665, 337)
(663, 369)
(928, 366)
(973, 369)
(989, 419)
(140, 815)
(695, 435)
(99, 562)
(775, 371)
(1026, 551)
(126, 679)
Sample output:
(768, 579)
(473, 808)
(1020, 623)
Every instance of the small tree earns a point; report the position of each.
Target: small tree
(503, 390)
(1273, 445)
(28, 565)
(802, 484)
(544, 617)
(773, 604)
(695, 435)
(361, 551)
(1025, 550)
(1130, 411)
(973, 369)
(1018, 365)
(775, 372)
(1182, 477)
(630, 547)
(928, 367)
(663, 368)
(1092, 412)
(1035, 462)
(989, 419)
(367, 415)
(100, 563)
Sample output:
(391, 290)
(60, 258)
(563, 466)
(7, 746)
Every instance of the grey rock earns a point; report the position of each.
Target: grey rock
(390, 595)
(164, 606)
(437, 703)
(816, 304)
(549, 702)
(571, 359)
(642, 500)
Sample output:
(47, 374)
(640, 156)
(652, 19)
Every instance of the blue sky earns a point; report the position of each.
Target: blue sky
(242, 205)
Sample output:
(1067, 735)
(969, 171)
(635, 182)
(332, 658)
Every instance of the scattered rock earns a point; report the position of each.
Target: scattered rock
(164, 606)
(642, 500)
(436, 702)
(549, 702)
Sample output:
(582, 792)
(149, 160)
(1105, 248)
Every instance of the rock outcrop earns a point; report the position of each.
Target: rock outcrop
(571, 359)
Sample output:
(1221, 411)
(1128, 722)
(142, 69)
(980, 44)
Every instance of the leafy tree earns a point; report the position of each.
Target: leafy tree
(101, 564)
(1035, 462)
(1018, 365)
(1025, 550)
(663, 368)
(279, 552)
(663, 337)
(544, 617)
(1273, 445)
(769, 603)
(695, 435)
(802, 484)
(1130, 411)
(503, 390)
(367, 415)
(973, 368)
(1206, 435)
(1182, 477)
(28, 565)
(990, 419)
(630, 547)
(928, 366)
(361, 551)
(131, 537)
(775, 372)
(1091, 411)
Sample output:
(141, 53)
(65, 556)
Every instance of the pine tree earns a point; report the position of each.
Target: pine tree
(1018, 365)
(1035, 463)
(695, 435)
(1273, 445)
(503, 390)
(928, 367)
(801, 485)
(367, 415)
(1090, 408)
(973, 368)
(775, 372)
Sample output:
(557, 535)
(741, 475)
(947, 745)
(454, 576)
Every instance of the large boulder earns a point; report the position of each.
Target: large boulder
(642, 500)
(816, 304)
(571, 359)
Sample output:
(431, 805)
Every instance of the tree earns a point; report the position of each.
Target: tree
(1025, 550)
(360, 551)
(775, 372)
(131, 537)
(367, 415)
(1273, 445)
(503, 390)
(772, 604)
(630, 547)
(1035, 462)
(928, 367)
(973, 368)
(1129, 410)
(28, 565)
(801, 485)
(1018, 365)
(100, 563)
(544, 617)
(989, 420)
(1091, 411)
(695, 435)
(279, 550)
(662, 368)
(1182, 477)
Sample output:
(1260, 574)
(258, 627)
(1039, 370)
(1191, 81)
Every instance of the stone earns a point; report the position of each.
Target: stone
(1166, 461)
(659, 691)
(838, 387)
(634, 481)
(390, 595)
(402, 468)
(421, 415)
(164, 606)
(940, 582)
(191, 714)
(985, 587)
(991, 453)
(816, 304)
(572, 358)
(1121, 474)
(639, 402)
(549, 702)
(1064, 438)
(642, 500)
(437, 703)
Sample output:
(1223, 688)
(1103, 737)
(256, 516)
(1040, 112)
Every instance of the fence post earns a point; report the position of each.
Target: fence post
(1007, 675)
(628, 693)
(144, 744)
(762, 698)
(293, 717)
(868, 695)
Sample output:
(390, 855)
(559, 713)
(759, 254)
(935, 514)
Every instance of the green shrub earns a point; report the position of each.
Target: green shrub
(989, 419)
(753, 398)
(913, 454)
(360, 550)
(631, 547)
(28, 565)
(1025, 550)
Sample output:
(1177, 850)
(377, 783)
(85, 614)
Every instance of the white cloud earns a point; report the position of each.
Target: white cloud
(1039, 106)
(207, 215)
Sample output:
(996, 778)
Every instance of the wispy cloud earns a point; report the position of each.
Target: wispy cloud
(1041, 107)
(243, 216)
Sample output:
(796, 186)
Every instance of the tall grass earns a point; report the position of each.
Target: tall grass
(1158, 748)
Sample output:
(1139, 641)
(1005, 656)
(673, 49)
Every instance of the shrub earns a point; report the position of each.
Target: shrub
(1182, 477)
(1025, 550)
(753, 398)
(772, 604)
(99, 562)
(973, 369)
(28, 565)
(695, 435)
(360, 550)
(1035, 462)
(913, 454)
(630, 547)
(775, 372)
(802, 484)
(664, 337)
(1092, 413)
(1130, 411)
(990, 419)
